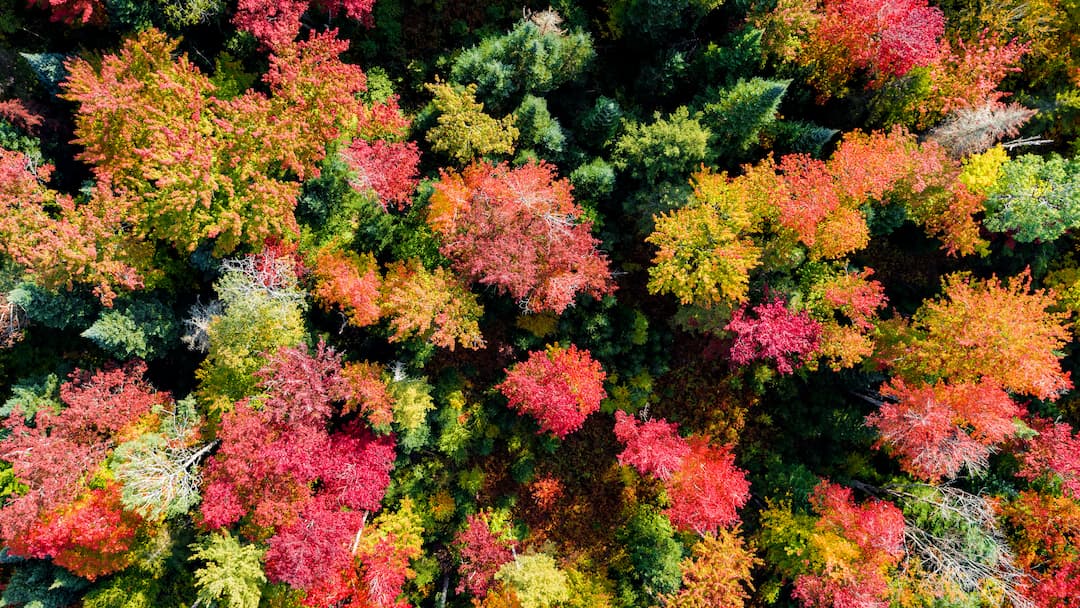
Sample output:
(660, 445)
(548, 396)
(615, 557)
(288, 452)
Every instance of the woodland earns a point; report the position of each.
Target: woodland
(510, 304)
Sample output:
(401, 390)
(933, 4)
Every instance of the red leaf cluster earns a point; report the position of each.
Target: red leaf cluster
(1055, 451)
(349, 282)
(653, 447)
(277, 23)
(936, 430)
(518, 229)
(73, 11)
(90, 537)
(876, 529)
(558, 387)
(302, 387)
(776, 334)
(887, 38)
(482, 554)
(707, 491)
(388, 168)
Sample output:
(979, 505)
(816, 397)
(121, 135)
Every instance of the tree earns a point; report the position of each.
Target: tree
(665, 149)
(776, 334)
(185, 166)
(79, 244)
(534, 58)
(482, 554)
(653, 551)
(973, 130)
(431, 305)
(275, 24)
(1053, 451)
(938, 429)
(262, 310)
(849, 551)
(737, 115)
(350, 282)
(55, 459)
(301, 387)
(232, 575)
(73, 11)
(1035, 198)
(653, 447)
(157, 471)
(705, 252)
(985, 329)
(520, 231)
(387, 168)
(707, 490)
(536, 580)
(846, 305)
(718, 573)
(559, 387)
(462, 130)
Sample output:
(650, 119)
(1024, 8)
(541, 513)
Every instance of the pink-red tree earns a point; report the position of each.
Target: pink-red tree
(653, 447)
(935, 430)
(387, 168)
(707, 491)
(482, 554)
(559, 387)
(1054, 451)
(774, 334)
(519, 230)
(852, 548)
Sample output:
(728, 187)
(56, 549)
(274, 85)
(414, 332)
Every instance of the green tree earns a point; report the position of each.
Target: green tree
(736, 115)
(232, 576)
(665, 149)
(1035, 198)
(534, 58)
(536, 579)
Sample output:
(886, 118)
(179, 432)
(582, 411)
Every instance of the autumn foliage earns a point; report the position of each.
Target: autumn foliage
(707, 490)
(559, 387)
(774, 334)
(653, 447)
(61, 514)
(519, 231)
(852, 548)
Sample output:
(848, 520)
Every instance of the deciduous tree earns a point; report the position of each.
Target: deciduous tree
(520, 231)
(559, 387)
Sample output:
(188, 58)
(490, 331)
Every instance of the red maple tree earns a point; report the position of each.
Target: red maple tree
(559, 387)
(519, 230)
(653, 447)
(707, 491)
(774, 334)
(482, 553)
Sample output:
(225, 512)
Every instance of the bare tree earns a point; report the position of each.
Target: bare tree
(973, 130)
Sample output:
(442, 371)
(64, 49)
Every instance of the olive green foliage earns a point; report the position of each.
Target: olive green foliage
(412, 402)
(144, 328)
(735, 116)
(653, 553)
(462, 130)
(1035, 198)
(232, 575)
(665, 149)
(593, 181)
(536, 579)
(132, 589)
(183, 13)
(39, 584)
(534, 58)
